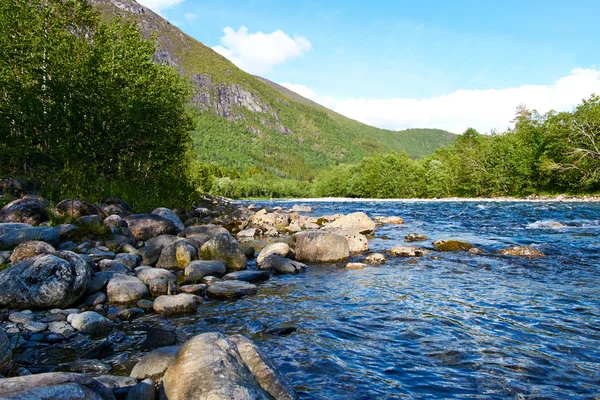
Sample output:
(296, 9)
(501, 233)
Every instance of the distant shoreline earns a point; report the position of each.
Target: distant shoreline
(537, 199)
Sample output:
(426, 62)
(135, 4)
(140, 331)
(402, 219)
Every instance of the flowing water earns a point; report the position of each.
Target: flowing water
(448, 325)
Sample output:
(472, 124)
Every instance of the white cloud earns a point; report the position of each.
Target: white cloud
(159, 6)
(189, 16)
(483, 110)
(258, 52)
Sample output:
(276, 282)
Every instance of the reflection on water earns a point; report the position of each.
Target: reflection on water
(457, 326)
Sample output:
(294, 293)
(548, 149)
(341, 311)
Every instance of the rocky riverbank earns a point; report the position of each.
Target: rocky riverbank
(78, 276)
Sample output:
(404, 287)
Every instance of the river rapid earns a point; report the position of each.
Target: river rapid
(447, 325)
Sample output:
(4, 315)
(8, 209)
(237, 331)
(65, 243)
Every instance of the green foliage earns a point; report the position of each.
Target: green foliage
(85, 109)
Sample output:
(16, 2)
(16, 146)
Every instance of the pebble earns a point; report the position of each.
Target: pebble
(21, 317)
(33, 326)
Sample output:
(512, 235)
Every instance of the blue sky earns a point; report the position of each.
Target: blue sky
(356, 55)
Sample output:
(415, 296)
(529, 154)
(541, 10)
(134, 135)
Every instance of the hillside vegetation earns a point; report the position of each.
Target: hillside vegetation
(245, 121)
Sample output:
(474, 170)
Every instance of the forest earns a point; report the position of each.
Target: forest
(87, 112)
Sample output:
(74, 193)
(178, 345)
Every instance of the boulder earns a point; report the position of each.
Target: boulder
(116, 206)
(161, 286)
(159, 337)
(177, 255)
(282, 265)
(355, 222)
(408, 251)
(90, 322)
(357, 242)
(30, 249)
(144, 390)
(196, 270)
(389, 220)
(75, 208)
(177, 304)
(5, 353)
(90, 220)
(12, 226)
(112, 266)
(451, 245)
(198, 289)
(152, 249)
(146, 274)
(15, 237)
(224, 247)
(375, 258)
(356, 265)
(522, 251)
(125, 289)
(318, 246)
(128, 260)
(54, 385)
(247, 276)
(213, 366)
(283, 249)
(171, 216)
(301, 208)
(46, 281)
(154, 364)
(248, 233)
(415, 237)
(29, 210)
(230, 289)
(266, 221)
(147, 226)
(203, 233)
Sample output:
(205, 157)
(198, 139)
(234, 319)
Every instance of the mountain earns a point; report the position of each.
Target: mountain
(246, 121)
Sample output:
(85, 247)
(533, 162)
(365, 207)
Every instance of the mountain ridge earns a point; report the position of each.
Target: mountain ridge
(244, 121)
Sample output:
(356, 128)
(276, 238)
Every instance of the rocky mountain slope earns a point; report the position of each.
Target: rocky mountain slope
(245, 121)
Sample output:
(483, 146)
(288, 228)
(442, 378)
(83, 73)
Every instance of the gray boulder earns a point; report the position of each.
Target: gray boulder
(203, 233)
(144, 390)
(283, 249)
(320, 246)
(90, 322)
(213, 366)
(75, 208)
(247, 276)
(224, 247)
(147, 226)
(153, 247)
(196, 270)
(178, 304)
(12, 239)
(46, 281)
(30, 249)
(146, 274)
(355, 222)
(177, 255)
(54, 385)
(125, 289)
(171, 216)
(29, 210)
(154, 364)
(230, 290)
(282, 265)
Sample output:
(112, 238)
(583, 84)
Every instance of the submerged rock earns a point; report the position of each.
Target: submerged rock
(522, 251)
(451, 245)
(356, 265)
(319, 246)
(45, 281)
(213, 366)
(375, 258)
(415, 237)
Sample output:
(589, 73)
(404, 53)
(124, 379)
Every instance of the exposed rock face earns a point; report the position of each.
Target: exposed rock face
(282, 265)
(355, 222)
(522, 251)
(171, 216)
(178, 304)
(224, 247)
(320, 246)
(283, 249)
(91, 322)
(147, 226)
(46, 281)
(15, 237)
(230, 289)
(415, 237)
(30, 210)
(54, 385)
(212, 366)
(408, 251)
(451, 245)
(30, 249)
(125, 289)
